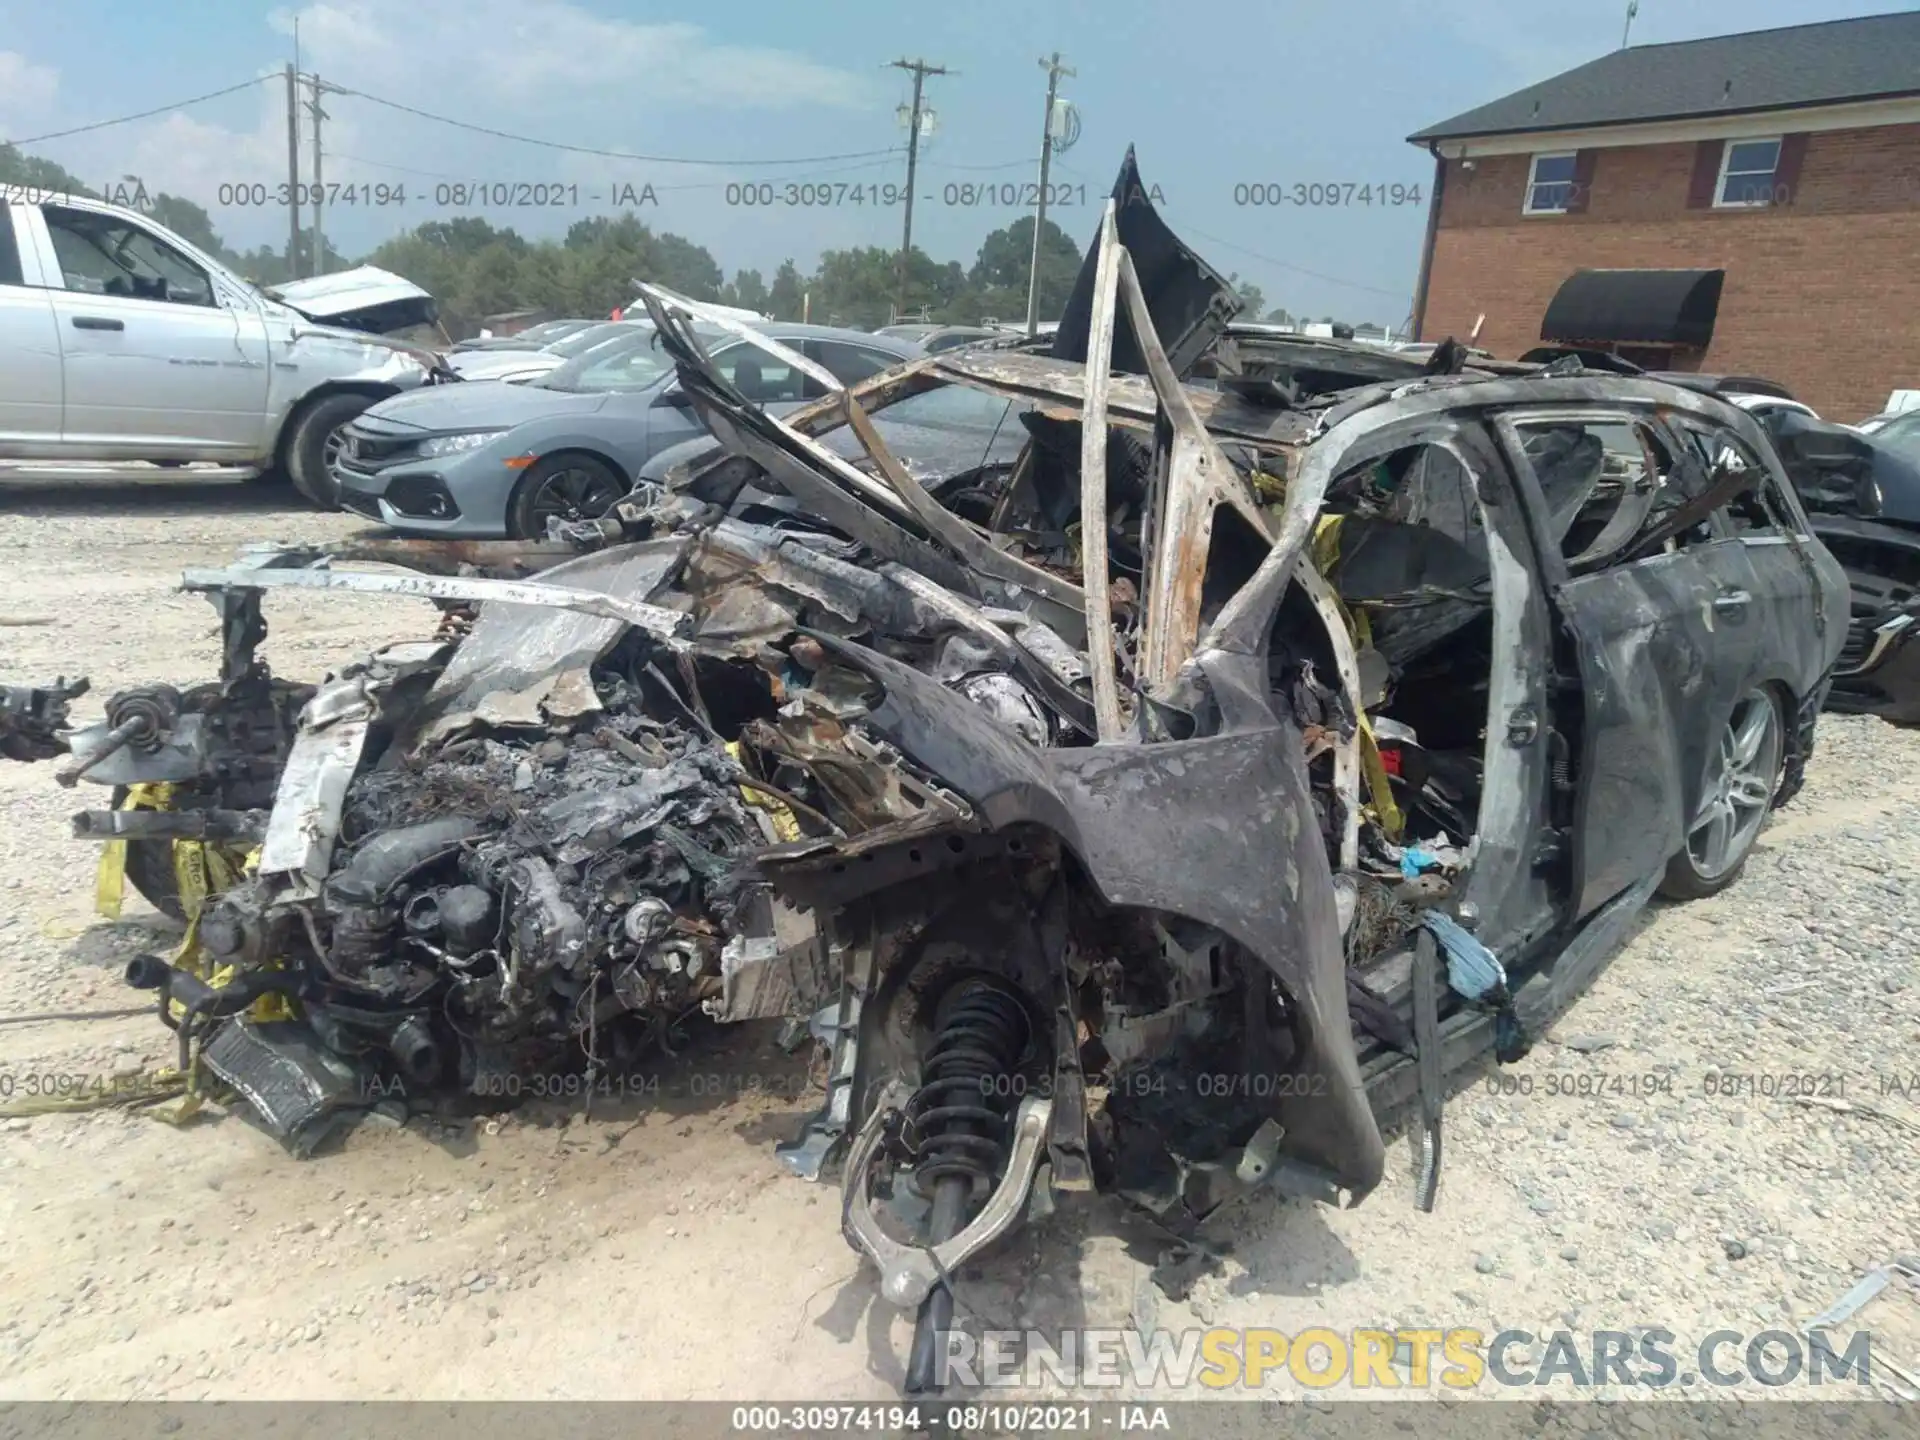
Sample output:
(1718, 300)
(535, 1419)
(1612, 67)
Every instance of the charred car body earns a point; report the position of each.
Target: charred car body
(1169, 855)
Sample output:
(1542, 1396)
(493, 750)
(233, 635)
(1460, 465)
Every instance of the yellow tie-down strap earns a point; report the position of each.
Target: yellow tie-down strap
(201, 870)
(786, 825)
(110, 879)
(1386, 810)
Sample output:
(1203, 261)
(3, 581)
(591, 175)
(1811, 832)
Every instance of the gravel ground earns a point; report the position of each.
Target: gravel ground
(1644, 1167)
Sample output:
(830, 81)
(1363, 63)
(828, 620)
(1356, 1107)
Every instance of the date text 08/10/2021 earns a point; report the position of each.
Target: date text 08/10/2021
(569, 195)
(443, 195)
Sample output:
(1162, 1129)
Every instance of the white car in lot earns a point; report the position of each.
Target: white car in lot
(120, 341)
(1899, 404)
(520, 365)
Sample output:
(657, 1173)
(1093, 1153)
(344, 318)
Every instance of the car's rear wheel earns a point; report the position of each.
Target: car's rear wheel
(563, 487)
(315, 444)
(1743, 775)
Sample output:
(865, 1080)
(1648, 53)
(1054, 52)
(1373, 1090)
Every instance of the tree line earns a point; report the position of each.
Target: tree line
(475, 269)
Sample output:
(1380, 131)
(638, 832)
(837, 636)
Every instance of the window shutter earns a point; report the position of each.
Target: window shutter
(1706, 173)
(1786, 175)
(1582, 181)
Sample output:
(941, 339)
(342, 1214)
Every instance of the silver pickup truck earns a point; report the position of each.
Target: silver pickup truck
(121, 341)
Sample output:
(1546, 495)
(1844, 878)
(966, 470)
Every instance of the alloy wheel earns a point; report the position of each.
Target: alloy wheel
(333, 450)
(1740, 787)
(574, 493)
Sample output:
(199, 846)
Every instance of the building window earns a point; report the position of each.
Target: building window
(1747, 169)
(1550, 184)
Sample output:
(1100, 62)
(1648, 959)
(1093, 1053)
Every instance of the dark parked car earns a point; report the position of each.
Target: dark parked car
(1862, 495)
(932, 339)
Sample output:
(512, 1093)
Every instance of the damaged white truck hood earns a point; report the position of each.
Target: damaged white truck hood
(364, 298)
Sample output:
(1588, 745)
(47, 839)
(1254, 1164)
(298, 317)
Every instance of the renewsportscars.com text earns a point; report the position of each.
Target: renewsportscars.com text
(1374, 1360)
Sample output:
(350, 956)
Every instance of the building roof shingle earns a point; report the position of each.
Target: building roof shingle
(1870, 57)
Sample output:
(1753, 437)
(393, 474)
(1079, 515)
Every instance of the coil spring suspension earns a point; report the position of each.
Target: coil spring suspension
(959, 1120)
(959, 1115)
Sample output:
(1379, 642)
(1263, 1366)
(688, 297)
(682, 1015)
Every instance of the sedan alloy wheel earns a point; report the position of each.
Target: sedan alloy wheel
(1741, 781)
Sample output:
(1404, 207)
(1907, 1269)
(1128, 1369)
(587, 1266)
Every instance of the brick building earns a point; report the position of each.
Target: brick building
(1748, 204)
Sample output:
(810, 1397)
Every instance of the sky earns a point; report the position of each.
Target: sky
(1216, 97)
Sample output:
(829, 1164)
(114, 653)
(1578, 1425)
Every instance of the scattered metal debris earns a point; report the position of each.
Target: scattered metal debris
(1882, 1372)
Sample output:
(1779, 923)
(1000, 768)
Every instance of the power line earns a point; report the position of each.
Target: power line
(592, 150)
(1003, 165)
(888, 159)
(144, 114)
(1297, 269)
(1270, 260)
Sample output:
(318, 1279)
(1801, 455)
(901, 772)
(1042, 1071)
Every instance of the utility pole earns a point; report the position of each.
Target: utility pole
(319, 244)
(1633, 9)
(1054, 71)
(920, 70)
(293, 176)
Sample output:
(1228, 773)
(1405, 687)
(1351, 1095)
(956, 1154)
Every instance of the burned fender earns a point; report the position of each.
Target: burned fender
(1190, 302)
(1219, 829)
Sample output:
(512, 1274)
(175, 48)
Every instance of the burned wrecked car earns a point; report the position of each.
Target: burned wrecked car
(1162, 812)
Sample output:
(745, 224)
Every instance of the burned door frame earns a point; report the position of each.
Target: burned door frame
(1780, 563)
(1658, 678)
(1507, 888)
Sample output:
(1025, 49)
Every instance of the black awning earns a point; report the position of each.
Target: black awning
(1635, 307)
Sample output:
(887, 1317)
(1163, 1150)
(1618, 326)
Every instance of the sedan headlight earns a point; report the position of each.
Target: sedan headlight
(454, 444)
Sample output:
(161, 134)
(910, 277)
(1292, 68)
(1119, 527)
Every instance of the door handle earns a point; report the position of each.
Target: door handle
(97, 322)
(1731, 602)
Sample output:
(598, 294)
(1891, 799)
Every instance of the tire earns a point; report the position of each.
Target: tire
(1742, 780)
(150, 870)
(307, 446)
(578, 487)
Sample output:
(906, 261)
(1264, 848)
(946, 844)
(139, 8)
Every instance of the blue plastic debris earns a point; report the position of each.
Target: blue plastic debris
(1414, 860)
(1473, 971)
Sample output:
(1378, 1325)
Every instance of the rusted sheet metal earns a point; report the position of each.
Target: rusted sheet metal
(1130, 399)
(1192, 480)
(515, 649)
(876, 392)
(759, 339)
(1095, 568)
(1346, 748)
(510, 559)
(949, 528)
(667, 624)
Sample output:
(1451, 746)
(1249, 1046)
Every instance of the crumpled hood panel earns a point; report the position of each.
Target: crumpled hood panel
(365, 299)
